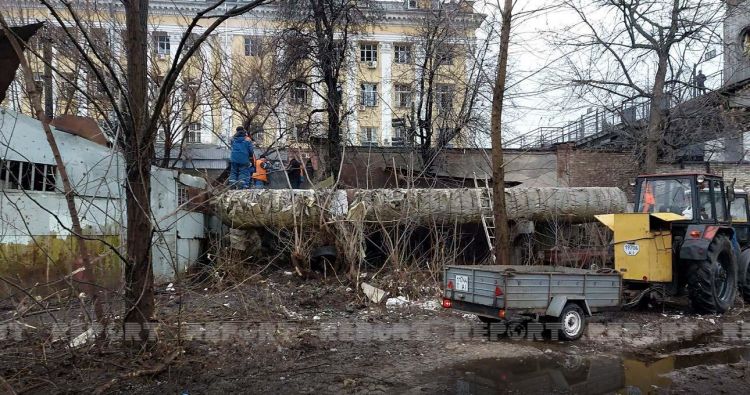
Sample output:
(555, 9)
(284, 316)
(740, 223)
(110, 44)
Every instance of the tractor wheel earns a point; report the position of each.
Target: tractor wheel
(712, 282)
(743, 275)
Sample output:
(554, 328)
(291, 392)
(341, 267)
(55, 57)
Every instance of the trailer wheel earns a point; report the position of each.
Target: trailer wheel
(572, 322)
(712, 282)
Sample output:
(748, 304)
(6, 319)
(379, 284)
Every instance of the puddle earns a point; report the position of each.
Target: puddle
(580, 375)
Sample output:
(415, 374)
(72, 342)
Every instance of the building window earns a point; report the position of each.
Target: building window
(369, 97)
(65, 82)
(444, 55)
(194, 133)
(162, 44)
(301, 132)
(252, 46)
(94, 88)
(398, 139)
(191, 90)
(252, 95)
(27, 176)
(256, 132)
(369, 136)
(401, 53)
(39, 83)
(299, 92)
(368, 53)
(403, 95)
(412, 4)
(446, 133)
(182, 194)
(444, 97)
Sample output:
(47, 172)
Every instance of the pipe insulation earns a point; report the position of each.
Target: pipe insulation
(277, 208)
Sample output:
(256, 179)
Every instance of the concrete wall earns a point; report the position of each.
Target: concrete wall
(728, 170)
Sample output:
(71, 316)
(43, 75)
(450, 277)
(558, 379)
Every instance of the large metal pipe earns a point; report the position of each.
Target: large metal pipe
(277, 208)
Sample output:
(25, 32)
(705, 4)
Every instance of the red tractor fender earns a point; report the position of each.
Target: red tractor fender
(699, 237)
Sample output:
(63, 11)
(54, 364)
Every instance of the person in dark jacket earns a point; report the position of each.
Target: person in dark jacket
(240, 165)
(310, 171)
(294, 172)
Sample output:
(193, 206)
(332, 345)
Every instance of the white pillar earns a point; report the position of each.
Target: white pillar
(385, 55)
(419, 57)
(204, 96)
(226, 108)
(352, 94)
(284, 124)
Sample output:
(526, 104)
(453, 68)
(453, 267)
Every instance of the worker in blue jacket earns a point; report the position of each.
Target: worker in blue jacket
(240, 163)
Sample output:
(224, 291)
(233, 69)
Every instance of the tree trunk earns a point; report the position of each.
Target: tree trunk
(502, 231)
(47, 53)
(334, 132)
(656, 117)
(139, 279)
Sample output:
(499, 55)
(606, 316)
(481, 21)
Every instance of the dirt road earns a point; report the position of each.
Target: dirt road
(286, 335)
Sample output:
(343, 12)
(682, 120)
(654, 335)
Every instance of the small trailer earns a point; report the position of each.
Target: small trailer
(542, 293)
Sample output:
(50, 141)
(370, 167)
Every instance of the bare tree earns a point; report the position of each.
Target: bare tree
(502, 231)
(635, 40)
(317, 43)
(449, 79)
(124, 106)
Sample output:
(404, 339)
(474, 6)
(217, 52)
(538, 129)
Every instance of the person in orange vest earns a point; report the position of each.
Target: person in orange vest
(648, 198)
(260, 177)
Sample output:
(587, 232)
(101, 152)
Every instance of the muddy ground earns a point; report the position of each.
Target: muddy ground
(284, 334)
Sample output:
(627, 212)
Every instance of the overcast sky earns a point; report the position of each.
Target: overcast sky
(540, 96)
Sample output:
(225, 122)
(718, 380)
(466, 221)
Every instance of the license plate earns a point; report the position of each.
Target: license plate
(462, 283)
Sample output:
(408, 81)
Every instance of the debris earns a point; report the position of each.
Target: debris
(82, 339)
(431, 305)
(237, 239)
(316, 318)
(711, 320)
(397, 302)
(376, 295)
(548, 351)
(170, 287)
(288, 273)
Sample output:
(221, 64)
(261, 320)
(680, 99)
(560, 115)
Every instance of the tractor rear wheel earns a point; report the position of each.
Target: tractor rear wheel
(743, 275)
(712, 282)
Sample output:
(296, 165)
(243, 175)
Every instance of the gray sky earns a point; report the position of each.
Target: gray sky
(540, 96)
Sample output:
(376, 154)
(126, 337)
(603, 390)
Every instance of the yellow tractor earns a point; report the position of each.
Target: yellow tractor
(687, 233)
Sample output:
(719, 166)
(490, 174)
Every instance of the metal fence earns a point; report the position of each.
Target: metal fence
(602, 122)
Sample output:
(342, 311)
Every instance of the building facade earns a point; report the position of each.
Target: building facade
(737, 42)
(400, 54)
